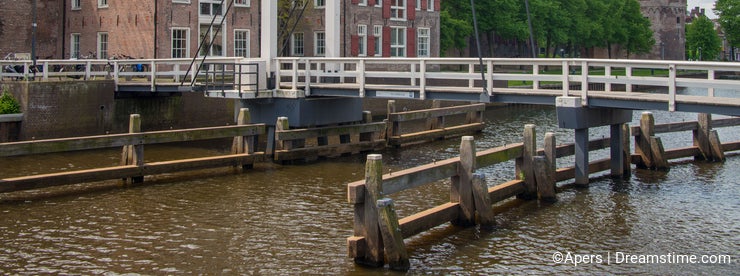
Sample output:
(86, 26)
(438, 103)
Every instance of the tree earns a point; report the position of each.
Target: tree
(454, 32)
(702, 40)
(728, 12)
(640, 36)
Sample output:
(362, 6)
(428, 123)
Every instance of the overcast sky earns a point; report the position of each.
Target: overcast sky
(706, 4)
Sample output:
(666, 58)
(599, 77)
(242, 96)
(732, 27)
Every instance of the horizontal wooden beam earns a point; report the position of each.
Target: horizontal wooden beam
(428, 219)
(436, 112)
(593, 167)
(570, 149)
(120, 172)
(687, 126)
(295, 134)
(328, 150)
(506, 190)
(117, 140)
(435, 134)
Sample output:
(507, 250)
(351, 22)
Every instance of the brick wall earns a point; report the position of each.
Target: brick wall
(668, 22)
(16, 27)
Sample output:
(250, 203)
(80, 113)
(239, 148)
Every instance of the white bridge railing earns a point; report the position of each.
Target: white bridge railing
(122, 71)
(464, 74)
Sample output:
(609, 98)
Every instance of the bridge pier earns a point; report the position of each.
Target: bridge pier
(572, 114)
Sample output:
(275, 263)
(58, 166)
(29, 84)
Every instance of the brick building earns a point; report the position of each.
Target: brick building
(382, 28)
(16, 27)
(668, 22)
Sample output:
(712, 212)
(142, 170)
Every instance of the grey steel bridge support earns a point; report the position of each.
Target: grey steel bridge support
(573, 115)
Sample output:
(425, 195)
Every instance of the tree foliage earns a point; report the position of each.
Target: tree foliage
(702, 41)
(728, 12)
(290, 13)
(454, 32)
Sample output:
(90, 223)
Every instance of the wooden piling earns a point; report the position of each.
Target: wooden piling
(436, 122)
(642, 140)
(133, 154)
(626, 152)
(717, 153)
(393, 128)
(545, 179)
(658, 153)
(482, 201)
(701, 137)
(243, 144)
(373, 255)
(461, 190)
(367, 117)
(524, 169)
(394, 249)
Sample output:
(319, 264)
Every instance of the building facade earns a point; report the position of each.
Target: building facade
(16, 28)
(668, 22)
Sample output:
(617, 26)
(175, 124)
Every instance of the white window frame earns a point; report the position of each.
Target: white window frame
(76, 5)
(223, 44)
(244, 3)
(74, 45)
(423, 38)
(319, 44)
(181, 1)
(378, 34)
(397, 10)
(398, 42)
(430, 4)
(186, 43)
(294, 45)
(418, 5)
(379, 3)
(362, 41)
(211, 4)
(319, 4)
(102, 45)
(363, 3)
(245, 40)
(102, 3)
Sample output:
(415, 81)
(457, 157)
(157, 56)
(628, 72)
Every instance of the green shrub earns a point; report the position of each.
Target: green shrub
(8, 104)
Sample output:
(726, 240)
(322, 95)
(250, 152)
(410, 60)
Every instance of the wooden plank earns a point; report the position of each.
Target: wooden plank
(482, 201)
(328, 150)
(716, 146)
(658, 152)
(100, 174)
(570, 149)
(356, 245)
(418, 176)
(666, 128)
(681, 152)
(435, 134)
(727, 122)
(438, 112)
(428, 219)
(593, 167)
(732, 146)
(295, 134)
(498, 155)
(119, 140)
(505, 190)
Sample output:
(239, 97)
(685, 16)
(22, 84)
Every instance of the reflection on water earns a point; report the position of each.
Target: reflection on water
(295, 219)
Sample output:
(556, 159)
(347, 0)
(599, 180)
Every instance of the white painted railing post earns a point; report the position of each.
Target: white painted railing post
(607, 75)
(153, 75)
(710, 77)
(294, 81)
(413, 74)
(88, 67)
(423, 79)
(45, 68)
(116, 68)
(307, 75)
(584, 83)
(361, 77)
(471, 71)
(535, 73)
(628, 73)
(672, 87)
(566, 80)
(489, 77)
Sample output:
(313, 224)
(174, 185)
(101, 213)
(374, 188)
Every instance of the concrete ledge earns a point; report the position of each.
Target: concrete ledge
(10, 118)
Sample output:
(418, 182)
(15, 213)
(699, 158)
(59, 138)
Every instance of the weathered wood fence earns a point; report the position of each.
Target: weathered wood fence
(309, 144)
(133, 168)
(435, 122)
(378, 233)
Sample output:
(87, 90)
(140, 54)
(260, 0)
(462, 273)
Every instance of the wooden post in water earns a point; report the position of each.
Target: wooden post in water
(642, 140)
(367, 117)
(482, 201)
(701, 136)
(395, 250)
(658, 152)
(133, 154)
(717, 152)
(524, 169)
(436, 122)
(373, 189)
(243, 144)
(393, 126)
(616, 152)
(461, 190)
(544, 167)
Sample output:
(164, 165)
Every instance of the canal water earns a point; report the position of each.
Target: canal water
(278, 220)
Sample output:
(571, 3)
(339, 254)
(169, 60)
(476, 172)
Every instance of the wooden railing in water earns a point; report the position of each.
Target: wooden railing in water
(379, 234)
(435, 122)
(133, 168)
(309, 144)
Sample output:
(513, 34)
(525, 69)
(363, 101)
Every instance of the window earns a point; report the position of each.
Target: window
(74, 47)
(319, 3)
(206, 32)
(180, 42)
(319, 44)
(362, 34)
(241, 43)
(102, 45)
(418, 4)
(297, 44)
(76, 5)
(241, 3)
(102, 3)
(378, 3)
(422, 37)
(398, 9)
(210, 7)
(181, 1)
(398, 42)
(363, 3)
(378, 34)
(430, 4)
